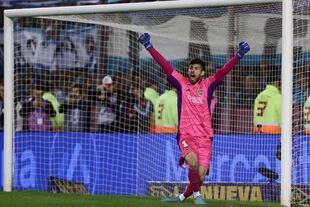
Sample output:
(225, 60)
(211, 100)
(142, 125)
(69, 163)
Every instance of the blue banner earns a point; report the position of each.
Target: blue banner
(124, 163)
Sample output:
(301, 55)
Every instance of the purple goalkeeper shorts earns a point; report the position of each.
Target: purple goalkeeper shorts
(201, 146)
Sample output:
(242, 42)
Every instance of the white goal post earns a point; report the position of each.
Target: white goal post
(286, 78)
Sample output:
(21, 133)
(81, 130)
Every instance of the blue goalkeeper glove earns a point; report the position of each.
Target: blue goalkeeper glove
(144, 39)
(244, 47)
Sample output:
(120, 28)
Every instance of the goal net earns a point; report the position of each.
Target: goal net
(90, 112)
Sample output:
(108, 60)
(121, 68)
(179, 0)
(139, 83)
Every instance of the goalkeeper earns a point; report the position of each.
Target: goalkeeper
(194, 129)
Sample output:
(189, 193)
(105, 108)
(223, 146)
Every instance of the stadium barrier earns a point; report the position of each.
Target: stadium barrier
(97, 160)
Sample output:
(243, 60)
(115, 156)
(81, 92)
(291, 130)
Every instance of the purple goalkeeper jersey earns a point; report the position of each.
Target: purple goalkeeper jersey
(194, 101)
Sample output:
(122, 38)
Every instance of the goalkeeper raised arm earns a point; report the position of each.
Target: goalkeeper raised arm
(195, 128)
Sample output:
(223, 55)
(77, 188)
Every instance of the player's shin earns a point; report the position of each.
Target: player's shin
(202, 174)
(194, 182)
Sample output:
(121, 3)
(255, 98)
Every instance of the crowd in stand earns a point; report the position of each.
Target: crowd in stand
(81, 101)
(77, 101)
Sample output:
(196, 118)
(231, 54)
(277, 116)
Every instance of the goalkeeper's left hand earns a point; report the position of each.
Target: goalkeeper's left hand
(244, 47)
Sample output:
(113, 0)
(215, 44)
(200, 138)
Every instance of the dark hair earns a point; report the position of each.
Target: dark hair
(42, 85)
(198, 61)
(78, 86)
(39, 87)
(274, 74)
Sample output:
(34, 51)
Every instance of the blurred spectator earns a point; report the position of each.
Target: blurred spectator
(23, 81)
(91, 64)
(108, 106)
(249, 90)
(265, 68)
(1, 106)
(151, 94)
(1, 59)
(18, 118)
(299, 89)
(36, 111)
(60, 81)
(90, 93)
(75, 110)
(267, 112)
(267, 106)
(166, 112)
(48, 96)
(126, 112)
(141, 110)
(307, 116)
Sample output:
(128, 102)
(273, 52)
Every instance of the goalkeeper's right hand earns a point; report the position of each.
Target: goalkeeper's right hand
(244, 47)
(145, 40)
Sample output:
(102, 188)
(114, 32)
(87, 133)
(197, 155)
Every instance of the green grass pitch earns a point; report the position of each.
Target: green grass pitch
(45, 199)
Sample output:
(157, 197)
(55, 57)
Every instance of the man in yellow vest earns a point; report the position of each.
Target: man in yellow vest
(267, 115)
(267, 106)
(151, 95)
(166, 112)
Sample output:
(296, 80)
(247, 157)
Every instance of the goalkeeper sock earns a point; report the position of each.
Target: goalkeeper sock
(194, 183)
(182, 197)
(196, 194)
(196, 188)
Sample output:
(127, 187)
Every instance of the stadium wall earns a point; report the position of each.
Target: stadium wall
(130, 161)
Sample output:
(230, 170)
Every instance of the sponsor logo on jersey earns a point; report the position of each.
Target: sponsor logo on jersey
(194, 99)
